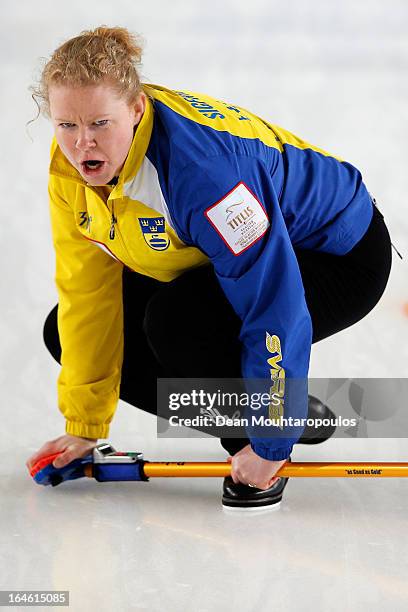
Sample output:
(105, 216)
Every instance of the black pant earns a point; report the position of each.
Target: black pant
(187, 328)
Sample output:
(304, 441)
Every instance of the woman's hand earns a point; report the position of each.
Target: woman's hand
(248, 468)
(71, 447)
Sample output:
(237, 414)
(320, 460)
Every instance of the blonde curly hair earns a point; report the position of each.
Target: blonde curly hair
(102, 54)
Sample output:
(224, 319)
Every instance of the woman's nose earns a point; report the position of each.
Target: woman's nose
(85, 140)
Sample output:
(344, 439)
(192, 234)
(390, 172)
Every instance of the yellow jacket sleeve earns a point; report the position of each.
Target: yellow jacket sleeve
(90, 324)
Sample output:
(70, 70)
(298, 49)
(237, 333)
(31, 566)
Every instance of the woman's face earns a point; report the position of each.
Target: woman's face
(94, 128)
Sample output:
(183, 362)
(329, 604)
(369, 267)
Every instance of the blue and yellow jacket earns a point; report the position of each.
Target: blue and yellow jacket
(204, 181)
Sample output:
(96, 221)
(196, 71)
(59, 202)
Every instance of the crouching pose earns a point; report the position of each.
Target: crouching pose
(192, 239)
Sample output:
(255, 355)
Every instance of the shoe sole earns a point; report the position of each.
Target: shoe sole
(252, 509)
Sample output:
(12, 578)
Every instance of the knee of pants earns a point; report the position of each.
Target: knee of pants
(161, 325)
(190, 341)
(51, 335)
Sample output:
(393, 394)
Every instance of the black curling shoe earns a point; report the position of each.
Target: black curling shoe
(317, 410)
(243, 497)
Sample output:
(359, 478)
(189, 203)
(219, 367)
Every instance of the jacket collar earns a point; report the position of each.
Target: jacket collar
(60, 166)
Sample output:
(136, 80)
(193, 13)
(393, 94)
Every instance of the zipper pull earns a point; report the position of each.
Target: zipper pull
(113, 221)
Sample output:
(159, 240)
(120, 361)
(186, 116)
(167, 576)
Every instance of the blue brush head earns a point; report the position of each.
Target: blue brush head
(50, 475)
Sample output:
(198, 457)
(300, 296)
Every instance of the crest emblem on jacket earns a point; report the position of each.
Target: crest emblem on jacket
(154, 232)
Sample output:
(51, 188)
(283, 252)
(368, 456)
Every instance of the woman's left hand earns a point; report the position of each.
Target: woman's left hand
(248, 468)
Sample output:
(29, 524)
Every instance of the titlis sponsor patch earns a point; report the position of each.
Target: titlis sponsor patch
(239, 219)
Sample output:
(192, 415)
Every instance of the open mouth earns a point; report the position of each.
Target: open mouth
(92, 166)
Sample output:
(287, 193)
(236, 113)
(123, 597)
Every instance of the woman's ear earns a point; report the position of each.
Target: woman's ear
(139, 107)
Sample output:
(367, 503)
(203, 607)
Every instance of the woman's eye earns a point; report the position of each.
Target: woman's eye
(67, 125)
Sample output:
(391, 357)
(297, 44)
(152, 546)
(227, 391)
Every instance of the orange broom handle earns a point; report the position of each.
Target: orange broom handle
(292, 470)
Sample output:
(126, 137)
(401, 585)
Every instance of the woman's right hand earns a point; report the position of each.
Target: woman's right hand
(71, 447)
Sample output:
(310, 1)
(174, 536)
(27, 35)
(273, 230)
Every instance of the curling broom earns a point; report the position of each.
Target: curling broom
(105, 464)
